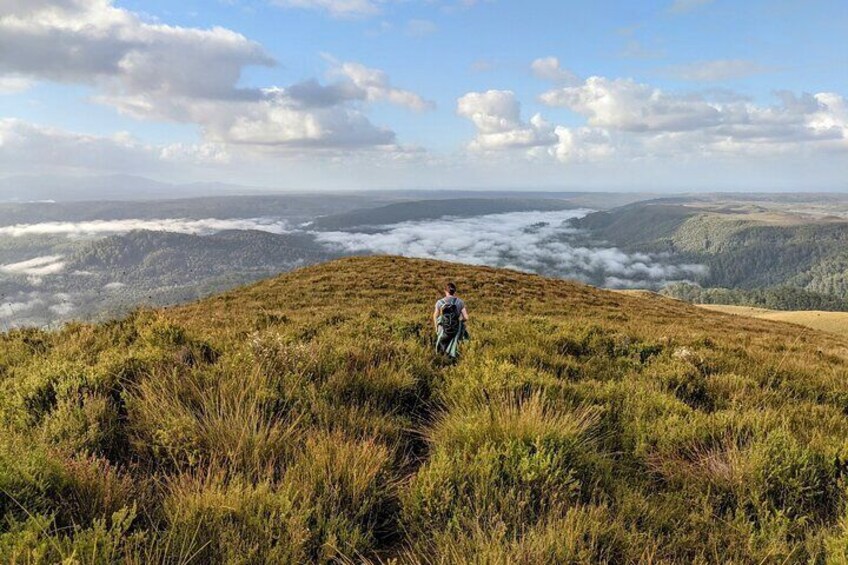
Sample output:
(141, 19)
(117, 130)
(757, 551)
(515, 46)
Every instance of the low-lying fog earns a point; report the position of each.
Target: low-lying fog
(46, 287)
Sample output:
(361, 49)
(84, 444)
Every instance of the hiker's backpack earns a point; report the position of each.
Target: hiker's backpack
(450, 318)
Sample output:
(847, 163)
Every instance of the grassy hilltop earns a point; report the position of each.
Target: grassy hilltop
(306, 418)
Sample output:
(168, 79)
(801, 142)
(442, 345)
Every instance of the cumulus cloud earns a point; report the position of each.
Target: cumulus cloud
(541, 242)
(176, 225)
(85, 41)
(374, 85)
(497, 116)
(179, 74)
(631, 106)
(583, 144)
(632, 123)
(654, 123)
(548, 68)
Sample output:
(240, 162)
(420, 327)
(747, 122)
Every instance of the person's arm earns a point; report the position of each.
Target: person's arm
(436, 317)
(465, 315)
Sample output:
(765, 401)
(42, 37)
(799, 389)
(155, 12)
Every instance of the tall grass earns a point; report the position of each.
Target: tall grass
(308, 419)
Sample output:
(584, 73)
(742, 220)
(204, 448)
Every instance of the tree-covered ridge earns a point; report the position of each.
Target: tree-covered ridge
(761, 253)
(638, 225)
(161, 258)
(433, 209)
(105, 277)
(306, 418)
(776, 298)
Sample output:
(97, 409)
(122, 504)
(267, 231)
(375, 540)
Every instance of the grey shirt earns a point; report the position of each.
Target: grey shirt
(460, 304)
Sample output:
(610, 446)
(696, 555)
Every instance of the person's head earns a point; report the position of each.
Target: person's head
(450, 289)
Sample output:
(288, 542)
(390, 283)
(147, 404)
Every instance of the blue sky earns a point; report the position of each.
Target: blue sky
(671, 95)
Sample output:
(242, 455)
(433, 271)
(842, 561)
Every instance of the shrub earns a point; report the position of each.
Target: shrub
(234, 521)
(348, 491)
(508, 461)
(795, 480)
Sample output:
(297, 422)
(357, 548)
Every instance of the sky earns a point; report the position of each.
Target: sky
(658, 95)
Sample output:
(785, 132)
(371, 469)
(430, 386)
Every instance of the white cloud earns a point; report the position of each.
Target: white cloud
(12, 84)
(177, 225)
(497, 116)
(718, 70)
(583, 144)
(548, 68)
(376, 86)
(540, 242)
(25, 147)
(630, 123)
(210, 153)
(37, 267)
(189, 75)
(631, 106)
(658, 122)
(91, 41)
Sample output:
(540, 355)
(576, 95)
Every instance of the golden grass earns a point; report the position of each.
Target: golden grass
(831, 322)
(307, 418)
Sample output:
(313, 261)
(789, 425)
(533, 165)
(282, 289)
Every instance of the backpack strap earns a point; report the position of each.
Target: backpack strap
(448, 301)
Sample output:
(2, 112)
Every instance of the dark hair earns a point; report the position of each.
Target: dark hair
(450, 288)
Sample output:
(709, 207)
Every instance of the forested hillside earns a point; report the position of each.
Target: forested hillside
(434, 209)
(306, 418)
(752, 257)
(160, 258)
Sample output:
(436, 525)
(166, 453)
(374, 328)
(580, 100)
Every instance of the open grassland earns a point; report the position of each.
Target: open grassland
(833, 322)
(307, 419)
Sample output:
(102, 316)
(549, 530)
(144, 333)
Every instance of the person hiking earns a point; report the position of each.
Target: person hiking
(450, 318)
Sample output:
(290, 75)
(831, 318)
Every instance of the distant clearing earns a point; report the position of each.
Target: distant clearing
(833, 322)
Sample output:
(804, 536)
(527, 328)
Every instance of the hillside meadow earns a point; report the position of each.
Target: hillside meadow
(832, 322)
(306, 418)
